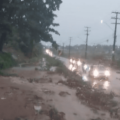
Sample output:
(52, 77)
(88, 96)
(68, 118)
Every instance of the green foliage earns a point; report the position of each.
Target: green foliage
(38, 50)
(61, 68)
(52, 61)
(98, 57)
(13, 39)
(30, 22)
(6, 61)
(7, 74)
(118, 63)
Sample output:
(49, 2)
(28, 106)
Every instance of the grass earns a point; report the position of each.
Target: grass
(7, 74)
(6, 61)
(118, 63)
(51, 61)
(33, 60)
(61, 68)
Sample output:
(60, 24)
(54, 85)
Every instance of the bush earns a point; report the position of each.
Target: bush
(98, 57)
(118, 63)
(6, 61)
(7, 74)
(52, 61)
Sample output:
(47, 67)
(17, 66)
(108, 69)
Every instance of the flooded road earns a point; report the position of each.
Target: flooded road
(62, 97)
(111, 85)
(66, 102)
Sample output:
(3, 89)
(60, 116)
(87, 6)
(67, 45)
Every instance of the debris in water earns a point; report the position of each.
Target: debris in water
(37, 108)
(53, 69)
(64, 94)
(3, 98)
(63, 78)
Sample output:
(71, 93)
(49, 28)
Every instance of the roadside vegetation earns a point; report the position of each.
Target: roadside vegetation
(26, 27)
(117, 64)
(60, 67)
(6, 61)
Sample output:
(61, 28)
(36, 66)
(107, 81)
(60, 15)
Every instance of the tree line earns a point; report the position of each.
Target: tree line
(27, 22)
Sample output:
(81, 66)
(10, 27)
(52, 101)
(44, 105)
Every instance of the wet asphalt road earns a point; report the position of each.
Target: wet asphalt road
(111, 85)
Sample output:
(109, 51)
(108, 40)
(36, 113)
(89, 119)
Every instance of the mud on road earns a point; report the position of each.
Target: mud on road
(54, 97)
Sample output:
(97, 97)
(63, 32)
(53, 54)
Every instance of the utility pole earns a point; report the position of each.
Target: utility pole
(69, 47)
(87, 34)
(63, 48)
(115, 36)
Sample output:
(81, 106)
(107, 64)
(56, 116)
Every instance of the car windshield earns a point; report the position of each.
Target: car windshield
(95, 67)
(101, 68)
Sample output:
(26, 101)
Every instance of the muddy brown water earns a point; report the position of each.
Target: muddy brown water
(70, 105)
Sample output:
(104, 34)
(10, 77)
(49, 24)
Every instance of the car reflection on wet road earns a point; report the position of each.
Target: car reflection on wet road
(96, 83)
(101, 84)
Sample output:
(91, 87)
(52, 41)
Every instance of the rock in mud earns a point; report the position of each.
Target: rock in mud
(36, 69)
(53, 69)
(64, 94)
(50, 79)
(63, 78)
(30, 80)
(20, 118)
(48, 91)
(97, 119)
(3, 98)
(55, 115)
(37, 108)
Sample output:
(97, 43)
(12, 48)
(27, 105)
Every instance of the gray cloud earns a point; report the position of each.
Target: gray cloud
(74, 15)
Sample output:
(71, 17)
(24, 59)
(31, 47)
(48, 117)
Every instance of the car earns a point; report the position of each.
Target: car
(74, 64)
(99, 71)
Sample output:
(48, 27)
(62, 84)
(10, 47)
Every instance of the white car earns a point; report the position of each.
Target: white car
(99, 71)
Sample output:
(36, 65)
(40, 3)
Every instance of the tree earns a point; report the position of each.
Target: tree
(33, 19)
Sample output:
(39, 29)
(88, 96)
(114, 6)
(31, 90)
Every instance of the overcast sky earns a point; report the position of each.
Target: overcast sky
(75, 15)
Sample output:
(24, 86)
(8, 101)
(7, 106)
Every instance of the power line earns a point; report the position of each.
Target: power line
(115, 36)
(108, 26)
(63, 48)
(107, 38)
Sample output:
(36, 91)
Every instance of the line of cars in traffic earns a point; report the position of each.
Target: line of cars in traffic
(93, 71)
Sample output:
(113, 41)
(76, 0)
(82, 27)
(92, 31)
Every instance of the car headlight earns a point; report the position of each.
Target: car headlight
(95, 73)
(106, 85)
(51, 54)
(71, 60)
(84, 78)
(85, 67)
(94, 83)
(89, 68)
(74, 61)
(79, 63)
(70, 66)
(107, 73)
(73, 68)
(47, 51)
